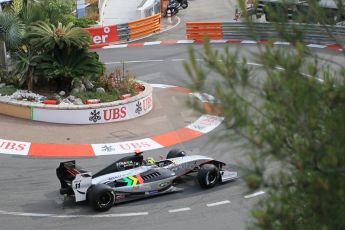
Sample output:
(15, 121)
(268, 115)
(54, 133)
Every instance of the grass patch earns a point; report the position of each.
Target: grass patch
(104, 97)
(7, 90)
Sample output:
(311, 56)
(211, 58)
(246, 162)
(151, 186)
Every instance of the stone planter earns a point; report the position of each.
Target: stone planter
(120, 110)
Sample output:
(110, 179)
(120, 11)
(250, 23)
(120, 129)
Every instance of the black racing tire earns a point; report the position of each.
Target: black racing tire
(208, 176)
(184, 4)
(101, 197)
(173, 153)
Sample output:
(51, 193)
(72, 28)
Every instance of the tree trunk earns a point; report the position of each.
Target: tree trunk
(30, 81)
(3, 58)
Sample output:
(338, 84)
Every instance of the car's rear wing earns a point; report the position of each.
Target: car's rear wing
(73, 179)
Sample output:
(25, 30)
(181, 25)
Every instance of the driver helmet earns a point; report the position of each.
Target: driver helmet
(150, 161)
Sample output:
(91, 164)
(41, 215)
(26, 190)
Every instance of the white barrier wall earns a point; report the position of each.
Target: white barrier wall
(148, 8)
(119, 11)
(120, 110)
(95, 116)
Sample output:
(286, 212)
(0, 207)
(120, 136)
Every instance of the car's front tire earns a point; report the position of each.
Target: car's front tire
(208, 175)
(101, 197)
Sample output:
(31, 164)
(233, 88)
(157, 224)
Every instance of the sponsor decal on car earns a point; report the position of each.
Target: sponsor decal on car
(133, 180)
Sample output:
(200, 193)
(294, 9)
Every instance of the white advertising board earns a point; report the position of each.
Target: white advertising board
(95, 116)
(206, 123)
(14, 147)
(125, 147)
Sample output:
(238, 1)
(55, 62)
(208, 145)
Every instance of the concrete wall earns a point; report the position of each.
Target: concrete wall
(15, 110)
(148, 8)
(123, 11)
(119, 11)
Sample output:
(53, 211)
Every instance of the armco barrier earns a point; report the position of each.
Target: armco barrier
(317, 34)
(198, 30)
(103, 35)
(145, 26)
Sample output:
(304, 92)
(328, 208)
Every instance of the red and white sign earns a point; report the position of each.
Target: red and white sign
(125, 147)
(206, 123)
(103, 35)
(14, 147)
(95, 116)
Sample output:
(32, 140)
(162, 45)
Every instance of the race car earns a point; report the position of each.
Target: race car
(132, 177)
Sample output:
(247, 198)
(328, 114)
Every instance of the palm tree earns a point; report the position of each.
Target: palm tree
(11, 34)
(45, 36)
(65, 67)
(26, 63)
(64, 50)
(77, 64)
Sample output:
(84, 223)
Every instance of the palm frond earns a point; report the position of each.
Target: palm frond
(11, 30)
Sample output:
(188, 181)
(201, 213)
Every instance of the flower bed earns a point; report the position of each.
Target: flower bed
(129, 108)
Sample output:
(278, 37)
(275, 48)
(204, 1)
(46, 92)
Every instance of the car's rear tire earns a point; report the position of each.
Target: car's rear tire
(101, 197)
(173, 153)
(208, 175)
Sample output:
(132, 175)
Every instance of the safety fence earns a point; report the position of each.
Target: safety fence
(199, 30)
(309, 33)
(104, 35)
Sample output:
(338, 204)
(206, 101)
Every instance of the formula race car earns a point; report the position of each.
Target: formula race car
(132, 177)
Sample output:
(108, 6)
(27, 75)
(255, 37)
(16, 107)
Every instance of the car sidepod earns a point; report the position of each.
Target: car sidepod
(151, 181)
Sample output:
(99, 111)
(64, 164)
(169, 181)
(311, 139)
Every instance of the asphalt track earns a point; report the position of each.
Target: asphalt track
(29, 196)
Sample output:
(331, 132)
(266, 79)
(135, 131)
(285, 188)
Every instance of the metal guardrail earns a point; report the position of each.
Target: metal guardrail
(104, 35)
(198, 30)
(309, 33)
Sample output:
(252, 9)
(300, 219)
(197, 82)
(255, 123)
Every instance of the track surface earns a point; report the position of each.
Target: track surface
(29, 196)
(29, 186)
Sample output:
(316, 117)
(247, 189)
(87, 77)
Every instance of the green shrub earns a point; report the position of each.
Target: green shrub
(84, 22)
(80, 22)
(104, 97)
(7, 90)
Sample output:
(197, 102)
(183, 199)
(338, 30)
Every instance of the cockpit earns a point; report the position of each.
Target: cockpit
(122, 164)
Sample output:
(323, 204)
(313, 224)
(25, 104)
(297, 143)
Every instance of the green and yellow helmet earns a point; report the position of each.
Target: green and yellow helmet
(150, 161)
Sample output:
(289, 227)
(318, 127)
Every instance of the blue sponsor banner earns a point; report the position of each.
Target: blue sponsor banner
(81, 8)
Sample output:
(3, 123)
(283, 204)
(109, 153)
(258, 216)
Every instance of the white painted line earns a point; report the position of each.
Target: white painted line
(281, 43)
(115, 46)
(280, 68)
(218, 41)
(144, 61)
(218, 203)
(254, 194)
(255, 64)
(163, 86)
(122, 214)
(248, 42)
(185, 41)
(179, 210)
(73, 216)
(136, 61)
(178, 59)
(152, 43)
(114, 62)
(25, 214)
(316, 46)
